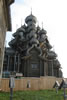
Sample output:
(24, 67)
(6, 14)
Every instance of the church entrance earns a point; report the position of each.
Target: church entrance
(35, 70)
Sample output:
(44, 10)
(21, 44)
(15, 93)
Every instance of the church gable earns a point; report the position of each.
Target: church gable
(34, 52)
(34, 60)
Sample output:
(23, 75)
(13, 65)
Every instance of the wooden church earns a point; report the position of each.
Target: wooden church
(30, 52)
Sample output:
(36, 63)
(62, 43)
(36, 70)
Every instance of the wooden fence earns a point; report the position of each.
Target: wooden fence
(35, 83)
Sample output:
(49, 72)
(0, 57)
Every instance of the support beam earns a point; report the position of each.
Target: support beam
(18, 63)
(52, 68)
(14, 62)
(8, 63)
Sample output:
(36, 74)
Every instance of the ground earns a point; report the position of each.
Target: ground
(33, 95)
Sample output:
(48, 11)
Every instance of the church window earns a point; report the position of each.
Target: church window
(34, 66)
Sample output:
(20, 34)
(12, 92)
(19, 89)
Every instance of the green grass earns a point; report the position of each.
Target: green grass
(33, 95)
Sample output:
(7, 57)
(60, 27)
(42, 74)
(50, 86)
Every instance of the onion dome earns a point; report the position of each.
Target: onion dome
(32, 27)
(18, 34)
(48, 45)
(43, 38)
(38, 28)
(32, 34)
(51, 55)
(57, 63)
(31, 18)
(42, 31)
(30, 23)
(34, 41)
(23, 26)
(12, 42)
(21, 29)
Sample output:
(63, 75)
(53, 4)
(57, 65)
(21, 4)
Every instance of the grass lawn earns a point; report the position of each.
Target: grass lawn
(33, 95)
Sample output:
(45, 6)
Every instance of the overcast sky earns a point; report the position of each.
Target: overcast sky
(53, 14)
